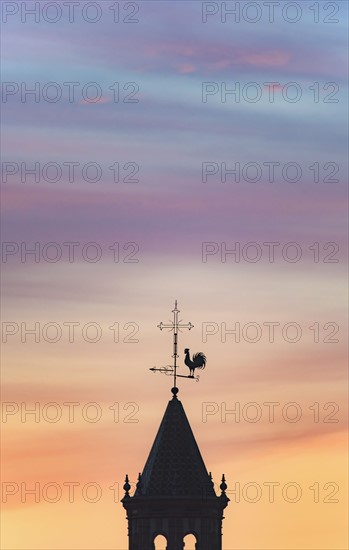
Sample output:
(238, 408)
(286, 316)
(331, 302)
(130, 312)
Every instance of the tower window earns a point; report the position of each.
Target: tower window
(189, 542)
(160, 543)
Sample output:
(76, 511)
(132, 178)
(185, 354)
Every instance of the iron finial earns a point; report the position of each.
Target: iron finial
(176, 325)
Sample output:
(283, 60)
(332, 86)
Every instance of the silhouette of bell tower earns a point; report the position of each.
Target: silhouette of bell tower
(175, 494)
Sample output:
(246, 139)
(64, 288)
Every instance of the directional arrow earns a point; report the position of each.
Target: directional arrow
(168, 370)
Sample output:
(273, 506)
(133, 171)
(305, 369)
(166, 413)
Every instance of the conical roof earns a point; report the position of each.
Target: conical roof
(175, 466)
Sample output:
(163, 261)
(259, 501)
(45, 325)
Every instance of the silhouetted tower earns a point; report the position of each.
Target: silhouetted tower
(175, 495)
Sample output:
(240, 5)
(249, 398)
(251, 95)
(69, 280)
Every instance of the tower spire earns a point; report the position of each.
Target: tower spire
(175, 493)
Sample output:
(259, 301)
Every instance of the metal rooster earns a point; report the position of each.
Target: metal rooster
(198, 362)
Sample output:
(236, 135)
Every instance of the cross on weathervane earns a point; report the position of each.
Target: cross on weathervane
(176, 325)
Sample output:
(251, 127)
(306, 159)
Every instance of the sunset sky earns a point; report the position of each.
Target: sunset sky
(134, 131)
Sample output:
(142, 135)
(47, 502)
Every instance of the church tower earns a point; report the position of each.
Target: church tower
(175, 494)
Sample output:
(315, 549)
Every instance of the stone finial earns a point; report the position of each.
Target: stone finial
(223, 486)
(127, 486)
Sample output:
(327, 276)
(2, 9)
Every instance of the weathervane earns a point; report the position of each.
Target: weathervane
(199, 359)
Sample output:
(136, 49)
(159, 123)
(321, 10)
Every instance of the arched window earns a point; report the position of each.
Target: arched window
(160, 543)
(189, 542)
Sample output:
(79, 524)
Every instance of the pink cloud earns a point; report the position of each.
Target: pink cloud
(186, 68)
(265, 59)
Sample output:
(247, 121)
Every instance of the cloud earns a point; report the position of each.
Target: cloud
(265, 59)
(186, 68)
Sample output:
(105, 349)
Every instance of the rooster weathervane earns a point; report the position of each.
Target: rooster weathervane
(198, 361)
